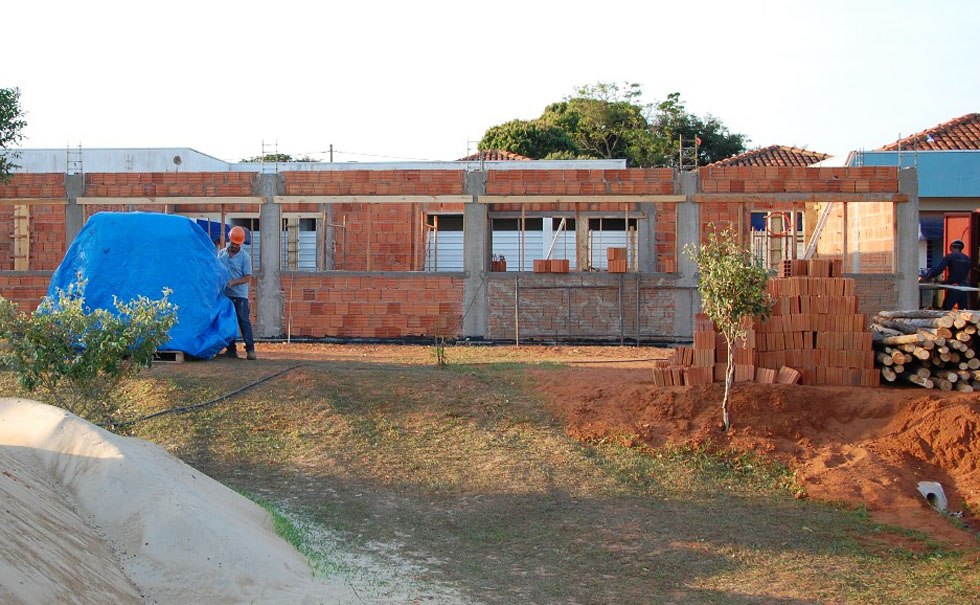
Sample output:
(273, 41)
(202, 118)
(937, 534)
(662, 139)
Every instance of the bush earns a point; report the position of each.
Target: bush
(79, 356)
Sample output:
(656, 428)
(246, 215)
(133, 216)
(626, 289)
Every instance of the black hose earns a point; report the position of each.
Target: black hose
(197, 406)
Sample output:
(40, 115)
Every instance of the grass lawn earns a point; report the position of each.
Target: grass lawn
(462, 476)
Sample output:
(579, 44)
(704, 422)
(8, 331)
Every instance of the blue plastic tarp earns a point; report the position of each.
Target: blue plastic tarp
(141, 253)
(213, 229)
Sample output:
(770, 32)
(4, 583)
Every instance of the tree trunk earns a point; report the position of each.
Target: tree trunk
(729, 379)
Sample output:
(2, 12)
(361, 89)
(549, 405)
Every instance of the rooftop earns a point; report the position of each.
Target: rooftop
(962, 133)
(774, 155)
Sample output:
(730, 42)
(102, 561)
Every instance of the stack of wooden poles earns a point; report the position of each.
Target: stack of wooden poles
(933, 349)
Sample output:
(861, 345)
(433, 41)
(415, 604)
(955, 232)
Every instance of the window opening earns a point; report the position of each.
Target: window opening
(774, 237)
(607, 232)
(443, 249)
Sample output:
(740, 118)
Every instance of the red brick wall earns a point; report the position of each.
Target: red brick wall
(875, 293)
(786, 179)
(47, 230)
(666, 237)
(871, 235)
(372, 306)
(580, 306)
(631, 181)
(374, 182)
(156, 184)
(26, 288)
(34, 185)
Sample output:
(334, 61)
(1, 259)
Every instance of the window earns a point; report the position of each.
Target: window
(443, 243)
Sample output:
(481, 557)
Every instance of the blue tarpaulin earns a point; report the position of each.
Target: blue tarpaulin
(141, 253)
(213, 229)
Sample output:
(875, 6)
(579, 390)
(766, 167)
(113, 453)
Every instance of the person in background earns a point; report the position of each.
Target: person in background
(959, 266)
(240, 266)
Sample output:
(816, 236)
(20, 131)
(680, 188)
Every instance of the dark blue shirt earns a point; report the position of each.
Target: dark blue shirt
(959, 268)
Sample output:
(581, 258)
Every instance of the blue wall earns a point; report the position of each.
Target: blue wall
(941, 173)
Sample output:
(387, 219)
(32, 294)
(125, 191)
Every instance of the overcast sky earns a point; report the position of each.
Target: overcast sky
(425, 79)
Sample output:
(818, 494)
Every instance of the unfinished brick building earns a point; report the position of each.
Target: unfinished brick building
(398, 251)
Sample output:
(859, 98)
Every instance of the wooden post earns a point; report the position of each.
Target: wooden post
(843, 257)
(370, 222)
(221, 229)
(22, 237)
(435, 242)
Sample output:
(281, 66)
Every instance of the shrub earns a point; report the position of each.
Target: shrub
(732, 284)
(77, 355)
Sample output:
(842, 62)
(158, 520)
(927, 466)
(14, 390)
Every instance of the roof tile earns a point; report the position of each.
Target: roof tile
(492, 155)
(774, 155)
(963, 133)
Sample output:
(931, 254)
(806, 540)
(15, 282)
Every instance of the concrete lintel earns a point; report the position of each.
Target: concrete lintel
(161, 200)
(269, 296)
(373, 199)
(579, 199)
(567, 214)
(816, 198)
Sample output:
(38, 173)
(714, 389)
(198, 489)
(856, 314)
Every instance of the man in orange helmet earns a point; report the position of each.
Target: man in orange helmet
(240, 265)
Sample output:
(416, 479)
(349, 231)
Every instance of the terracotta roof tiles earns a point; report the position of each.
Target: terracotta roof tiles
(492, 155)
(774, 155)
(963, 133)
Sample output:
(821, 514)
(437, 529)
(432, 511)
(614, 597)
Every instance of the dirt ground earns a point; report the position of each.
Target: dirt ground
(864, 446)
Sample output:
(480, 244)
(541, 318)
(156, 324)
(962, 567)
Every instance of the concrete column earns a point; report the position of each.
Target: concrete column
(476, 254)
(268, 293)
(74, 213)
(582, 252)
(686, 301)
(647, 234)
(325, 240)
(907, 240)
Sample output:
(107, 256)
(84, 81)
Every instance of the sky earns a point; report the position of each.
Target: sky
(423, 80)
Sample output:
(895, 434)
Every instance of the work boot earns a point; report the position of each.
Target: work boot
(231, 354)
(250, 355)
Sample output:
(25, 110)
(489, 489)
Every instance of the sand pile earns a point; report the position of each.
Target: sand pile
(866, 446)
(90, 516)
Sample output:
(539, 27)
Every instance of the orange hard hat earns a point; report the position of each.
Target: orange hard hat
(237, 235)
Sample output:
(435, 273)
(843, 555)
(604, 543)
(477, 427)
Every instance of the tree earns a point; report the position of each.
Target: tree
(279, 157)
(78, 355)
(534, 139)
(11, 124)
(609, 121)
(732, 284)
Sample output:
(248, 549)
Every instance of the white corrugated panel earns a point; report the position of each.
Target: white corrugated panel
(448, 256)
(306, 254)
(508, 245)
(607, 239)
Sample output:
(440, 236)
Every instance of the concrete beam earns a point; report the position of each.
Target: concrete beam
(686, 300)
(907, 240)
(268, 293)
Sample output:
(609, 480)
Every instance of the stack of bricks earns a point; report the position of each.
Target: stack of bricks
(814, 334)
(616, 258)
(551, 265)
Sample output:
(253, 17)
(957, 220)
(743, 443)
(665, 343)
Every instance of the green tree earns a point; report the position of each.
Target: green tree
(534, 139)
(11, 124)
(279, 157)
(732, 284)
(610, 121)
(79, 356)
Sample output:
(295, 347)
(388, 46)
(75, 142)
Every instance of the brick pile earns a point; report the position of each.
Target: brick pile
(616, 259)
(815, 335)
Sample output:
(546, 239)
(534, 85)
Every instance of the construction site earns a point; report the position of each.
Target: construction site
(573, 273)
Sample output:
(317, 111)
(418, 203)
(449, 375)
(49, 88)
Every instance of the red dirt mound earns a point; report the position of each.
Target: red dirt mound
(867, 446)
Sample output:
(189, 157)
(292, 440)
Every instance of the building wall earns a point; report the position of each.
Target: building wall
(580, 306)
(25, 288)
(386, 235)
(875, 293)
(372, 305)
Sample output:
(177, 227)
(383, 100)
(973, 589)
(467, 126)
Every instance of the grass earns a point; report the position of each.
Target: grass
(462, 474)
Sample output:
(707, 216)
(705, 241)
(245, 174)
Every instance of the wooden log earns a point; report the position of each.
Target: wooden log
(898, 340)
(943, 385)
(963, 337)
(884, 331)
(973, 363)
(895, 324)
(898, 369)
(943, 321)
(885, 359)
(963, 387)
(912, 314)
(889, 374)
(925, 383)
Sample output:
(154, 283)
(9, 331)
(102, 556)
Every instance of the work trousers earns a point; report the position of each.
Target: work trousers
(244, 323)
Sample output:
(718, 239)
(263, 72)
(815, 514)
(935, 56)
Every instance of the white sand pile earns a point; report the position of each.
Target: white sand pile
(92, 517)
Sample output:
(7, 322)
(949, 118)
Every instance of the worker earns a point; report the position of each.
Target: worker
(240, 266)
(959, 266)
